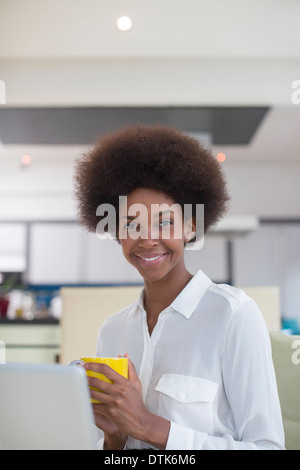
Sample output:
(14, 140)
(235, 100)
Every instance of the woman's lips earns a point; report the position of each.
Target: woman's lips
(151, 260)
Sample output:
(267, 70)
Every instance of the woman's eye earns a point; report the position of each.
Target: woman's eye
(131, 226)
(165, 222)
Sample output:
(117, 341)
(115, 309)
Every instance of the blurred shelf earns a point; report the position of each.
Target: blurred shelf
(35, 321)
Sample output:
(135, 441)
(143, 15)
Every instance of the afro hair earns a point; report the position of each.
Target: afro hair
(155, 157)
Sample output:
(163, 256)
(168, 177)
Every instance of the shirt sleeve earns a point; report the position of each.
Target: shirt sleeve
(251, 389)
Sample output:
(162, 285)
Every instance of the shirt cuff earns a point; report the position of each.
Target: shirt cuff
(100, 444)
(182, 438)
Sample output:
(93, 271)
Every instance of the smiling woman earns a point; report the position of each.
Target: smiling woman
(197, 378)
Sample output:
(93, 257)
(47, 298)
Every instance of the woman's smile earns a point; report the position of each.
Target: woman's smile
(152, 259)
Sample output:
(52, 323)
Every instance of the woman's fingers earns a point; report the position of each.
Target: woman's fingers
(100, 385)
(133, 377)
(104, 369)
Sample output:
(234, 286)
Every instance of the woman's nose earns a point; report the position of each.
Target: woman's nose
(149, 237)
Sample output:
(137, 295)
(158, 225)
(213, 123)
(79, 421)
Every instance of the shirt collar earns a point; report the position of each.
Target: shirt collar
(140, 299)
(188, 299)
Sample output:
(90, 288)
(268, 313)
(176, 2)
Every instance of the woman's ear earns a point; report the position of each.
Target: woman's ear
(189, 229)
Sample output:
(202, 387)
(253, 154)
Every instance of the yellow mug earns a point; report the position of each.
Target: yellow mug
(119, 364)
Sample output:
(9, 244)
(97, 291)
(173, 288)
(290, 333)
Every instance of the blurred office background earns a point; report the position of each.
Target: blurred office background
(222, 71)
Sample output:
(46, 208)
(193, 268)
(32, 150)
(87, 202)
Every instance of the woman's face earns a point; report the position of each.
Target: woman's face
(151, 233)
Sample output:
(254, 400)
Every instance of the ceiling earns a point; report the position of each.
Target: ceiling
(169, 28)
(210, 57)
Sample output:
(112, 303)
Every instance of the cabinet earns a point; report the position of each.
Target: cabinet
(212, 259)
(28, 342)
(104, 263)
(271, 256)
(12, 247)
(63, 253)
(55, 253)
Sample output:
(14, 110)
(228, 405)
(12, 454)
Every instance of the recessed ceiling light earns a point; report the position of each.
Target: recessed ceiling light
(221, 157)
(124, 23)
(26, 159)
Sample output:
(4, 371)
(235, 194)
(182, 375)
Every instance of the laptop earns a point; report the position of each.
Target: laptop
(45, 407)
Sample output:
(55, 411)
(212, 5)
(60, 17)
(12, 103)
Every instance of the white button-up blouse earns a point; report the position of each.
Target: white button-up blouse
(207, 368)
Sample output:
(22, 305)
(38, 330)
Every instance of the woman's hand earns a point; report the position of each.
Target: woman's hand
(121, 411)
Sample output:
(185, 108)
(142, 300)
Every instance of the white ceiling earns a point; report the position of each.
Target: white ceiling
(168, 28)
(191, 52)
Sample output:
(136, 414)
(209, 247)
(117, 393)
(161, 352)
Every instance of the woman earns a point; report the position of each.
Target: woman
(200, 372)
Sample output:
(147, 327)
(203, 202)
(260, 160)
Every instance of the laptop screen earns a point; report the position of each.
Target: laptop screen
(45, 407)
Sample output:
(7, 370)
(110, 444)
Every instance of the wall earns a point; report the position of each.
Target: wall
(267, 190)
(44, 191)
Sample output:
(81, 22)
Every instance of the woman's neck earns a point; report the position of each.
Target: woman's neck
(161, 293)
